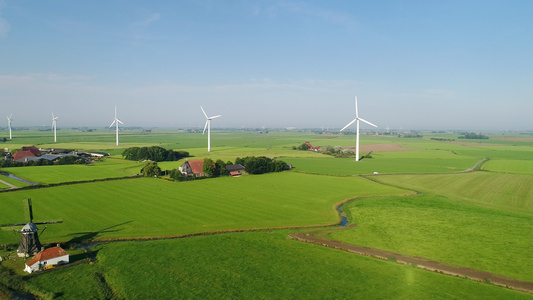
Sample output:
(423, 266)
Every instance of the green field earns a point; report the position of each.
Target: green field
(259, 265)
(510, 166)
(479, 219)
(508, 192)
(437, 228)
(431, 161)
(110, 167)
(143, 207)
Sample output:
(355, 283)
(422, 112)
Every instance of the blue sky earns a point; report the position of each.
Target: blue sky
(412, 64)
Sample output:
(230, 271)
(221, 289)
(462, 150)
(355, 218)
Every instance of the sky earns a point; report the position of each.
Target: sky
(412, 64)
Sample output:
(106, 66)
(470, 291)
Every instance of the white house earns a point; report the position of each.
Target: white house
(49, 257)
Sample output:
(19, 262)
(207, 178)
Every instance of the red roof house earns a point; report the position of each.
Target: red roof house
(311, 147)
(49, 257)
(32, 149)
(21, 154)
(192, 168)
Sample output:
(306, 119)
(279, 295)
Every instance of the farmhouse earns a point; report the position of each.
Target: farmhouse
(192, 168)
(49, 257)
(22, 155)
(311, 148)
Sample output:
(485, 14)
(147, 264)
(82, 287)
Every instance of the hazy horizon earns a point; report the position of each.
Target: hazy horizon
(412, 64)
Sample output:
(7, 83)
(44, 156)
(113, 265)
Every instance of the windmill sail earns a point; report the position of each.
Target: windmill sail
(29, 241)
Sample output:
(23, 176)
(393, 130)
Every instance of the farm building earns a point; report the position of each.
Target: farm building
(192, 168)
(49, 257)
(235, 170)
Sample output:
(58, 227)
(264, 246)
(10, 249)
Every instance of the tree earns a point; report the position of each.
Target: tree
(151, 169)
(304, 147)
(209, 167)
(221, 168)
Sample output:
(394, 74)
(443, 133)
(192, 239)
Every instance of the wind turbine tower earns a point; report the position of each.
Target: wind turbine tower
(116, 121)
(54, 126)
(208, 126)
(356, 120)
(9, 125)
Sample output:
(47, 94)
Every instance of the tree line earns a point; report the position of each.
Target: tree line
(153, 153)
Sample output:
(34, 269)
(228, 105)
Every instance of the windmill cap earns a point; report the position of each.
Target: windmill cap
(30, 227)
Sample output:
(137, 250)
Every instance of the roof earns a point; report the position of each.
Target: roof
(49, 156)
(30, 227)
(196, 166)
(46, 255)
(237, 167)
(33, 150)
(20, 154)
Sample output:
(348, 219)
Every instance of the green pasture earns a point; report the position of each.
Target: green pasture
(144, 207)
(451, 232)
(479, 219)
(510, 166)
(259, 265)
(431, 161)
(507, 192)
(109, 167)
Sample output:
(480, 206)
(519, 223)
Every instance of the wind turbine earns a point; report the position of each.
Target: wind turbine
(9, 125)
(357, 119)
(54, 126)
(208, 126)
(116, 121)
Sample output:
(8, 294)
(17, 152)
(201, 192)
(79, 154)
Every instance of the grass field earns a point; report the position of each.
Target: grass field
(262, 265)
(144, 207)
(508, 192)
(480, 219)
(510, 166)
(437, 228)
(406, 162)
(109, 167)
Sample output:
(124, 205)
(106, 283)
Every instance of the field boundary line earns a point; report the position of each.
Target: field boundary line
(50, 185)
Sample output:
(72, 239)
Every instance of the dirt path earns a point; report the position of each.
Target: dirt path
(9, 184)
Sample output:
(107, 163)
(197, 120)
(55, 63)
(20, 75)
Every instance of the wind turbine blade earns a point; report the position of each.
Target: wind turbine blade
(349, 124)
(113, 123)
(356, 110)
(367, 122)
(215, 117)
(205, 126)
(120, 122)
(204, 112)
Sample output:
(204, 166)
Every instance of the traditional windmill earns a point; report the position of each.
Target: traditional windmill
(29, 241)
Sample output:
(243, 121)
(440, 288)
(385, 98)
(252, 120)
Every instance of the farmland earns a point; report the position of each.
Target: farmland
(481, 220)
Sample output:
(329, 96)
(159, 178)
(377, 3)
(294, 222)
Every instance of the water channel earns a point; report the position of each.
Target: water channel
(9, 175)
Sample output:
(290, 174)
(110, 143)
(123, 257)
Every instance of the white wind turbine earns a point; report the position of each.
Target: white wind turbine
(208, 126)
(54, 126)
(116, 121)
(9, 125)
(357, 119)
